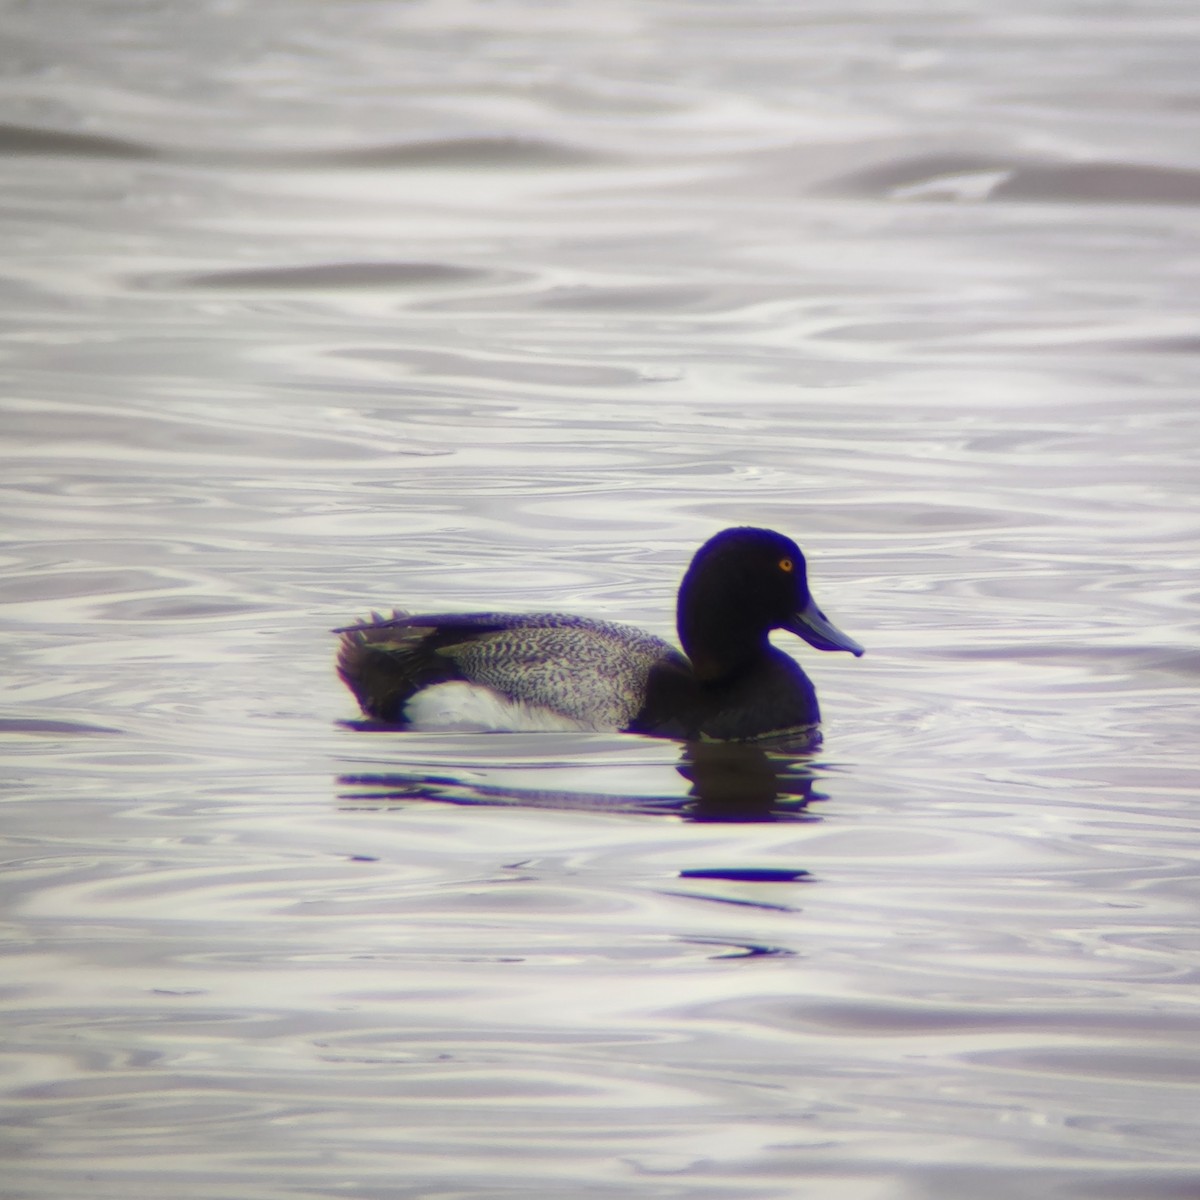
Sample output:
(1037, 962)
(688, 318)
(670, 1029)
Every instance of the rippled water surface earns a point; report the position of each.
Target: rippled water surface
(311, 308)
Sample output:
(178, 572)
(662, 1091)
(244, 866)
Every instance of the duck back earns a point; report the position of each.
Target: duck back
(593, 673)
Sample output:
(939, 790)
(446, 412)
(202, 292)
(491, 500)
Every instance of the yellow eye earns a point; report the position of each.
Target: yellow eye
(786, 564)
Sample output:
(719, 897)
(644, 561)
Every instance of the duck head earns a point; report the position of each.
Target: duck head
(740, 585)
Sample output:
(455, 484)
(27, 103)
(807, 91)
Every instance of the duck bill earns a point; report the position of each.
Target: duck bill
(818, 630)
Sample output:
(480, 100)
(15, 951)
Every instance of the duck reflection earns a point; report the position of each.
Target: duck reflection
(734, 781)
(730, 782)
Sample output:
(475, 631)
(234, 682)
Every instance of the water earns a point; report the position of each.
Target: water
(315, 308)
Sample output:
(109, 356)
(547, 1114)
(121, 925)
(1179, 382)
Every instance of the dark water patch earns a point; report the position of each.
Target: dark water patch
(178, 608)
(904, 516)
(1179, 344)
(31, 141)
(901, 1019)
(553, 374)
(976, 177)
(749, 902)
(1161, 1184)
(1139, 1180)
(747, 874)
(881, 181)
(740, 949)
(21, 726)
(1140, 1065)
(64, 583)
(1101, 183)
(463, 153)
(1167, 665)
(83, 432)
(648, 298)
(451, 153)
(338, 277)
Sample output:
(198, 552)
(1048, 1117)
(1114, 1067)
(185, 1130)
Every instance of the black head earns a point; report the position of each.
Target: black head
(741, 584)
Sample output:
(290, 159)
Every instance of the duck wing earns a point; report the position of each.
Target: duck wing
(594, 672)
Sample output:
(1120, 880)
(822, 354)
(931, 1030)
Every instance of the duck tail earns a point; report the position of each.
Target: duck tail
(383, 662)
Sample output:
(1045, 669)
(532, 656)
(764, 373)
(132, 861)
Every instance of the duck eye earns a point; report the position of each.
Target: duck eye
(786, 564)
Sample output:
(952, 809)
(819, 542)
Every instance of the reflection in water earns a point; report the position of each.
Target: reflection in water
(736, 781)
(730, 781)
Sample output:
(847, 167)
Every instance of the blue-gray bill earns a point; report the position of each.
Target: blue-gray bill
(819, 631)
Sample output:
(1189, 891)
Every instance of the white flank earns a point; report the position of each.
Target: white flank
(468, 707)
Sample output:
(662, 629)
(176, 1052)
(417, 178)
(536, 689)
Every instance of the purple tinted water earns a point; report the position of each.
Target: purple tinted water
(311, 309)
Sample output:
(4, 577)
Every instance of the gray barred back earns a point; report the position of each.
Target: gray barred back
(592, 671)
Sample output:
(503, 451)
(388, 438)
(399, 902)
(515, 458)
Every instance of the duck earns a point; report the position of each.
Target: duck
(553, 671)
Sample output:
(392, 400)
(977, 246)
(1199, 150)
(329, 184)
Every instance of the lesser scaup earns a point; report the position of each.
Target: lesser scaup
(549, 671)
